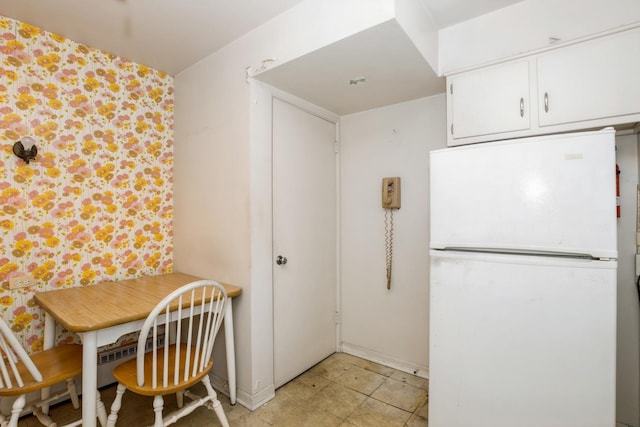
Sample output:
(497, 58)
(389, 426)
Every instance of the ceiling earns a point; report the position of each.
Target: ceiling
(170, 36)
(449, 12)
(376, 67)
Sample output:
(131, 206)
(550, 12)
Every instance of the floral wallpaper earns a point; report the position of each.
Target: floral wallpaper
(97, 202)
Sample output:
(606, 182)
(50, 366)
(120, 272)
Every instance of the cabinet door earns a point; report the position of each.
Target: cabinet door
(591, 80)
(489, 101)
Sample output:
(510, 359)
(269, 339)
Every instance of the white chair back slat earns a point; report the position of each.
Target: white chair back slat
(3, 377)
(187, 357)
(216, 323)
(167, 344)
(176, 370)
(154, 349)
(197, 338)
(6, 355)
(13, 352)
(14, 370)
(206, 334)
(199, 335)
(214, 310)
(205, 342)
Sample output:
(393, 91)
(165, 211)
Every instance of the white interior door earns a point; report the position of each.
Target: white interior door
(304, 232)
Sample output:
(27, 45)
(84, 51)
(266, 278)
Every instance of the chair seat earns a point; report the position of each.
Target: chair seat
(125, 373)
(56, 365)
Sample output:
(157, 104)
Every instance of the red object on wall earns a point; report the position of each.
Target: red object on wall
(617, 191)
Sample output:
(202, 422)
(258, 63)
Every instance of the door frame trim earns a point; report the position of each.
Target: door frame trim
(261, 218)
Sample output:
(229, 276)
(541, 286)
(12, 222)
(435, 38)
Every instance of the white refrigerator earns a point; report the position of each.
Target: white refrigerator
(523, 283)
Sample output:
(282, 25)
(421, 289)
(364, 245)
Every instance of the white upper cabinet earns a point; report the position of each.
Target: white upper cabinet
(590, 84)
(491, 100)
(596, 79)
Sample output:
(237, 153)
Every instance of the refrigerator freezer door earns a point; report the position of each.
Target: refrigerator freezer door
(552, 193)
(521, 341)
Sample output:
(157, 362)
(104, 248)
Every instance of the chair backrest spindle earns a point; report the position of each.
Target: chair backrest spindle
(190, 352)
(176, 369)
(205, 343)
(165, 348)
(197, 346)
(12, 352)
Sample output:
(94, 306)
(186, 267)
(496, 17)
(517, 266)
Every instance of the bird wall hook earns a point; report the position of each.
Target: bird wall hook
(25, 154)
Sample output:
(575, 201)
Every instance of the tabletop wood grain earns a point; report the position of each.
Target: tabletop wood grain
(89, 308)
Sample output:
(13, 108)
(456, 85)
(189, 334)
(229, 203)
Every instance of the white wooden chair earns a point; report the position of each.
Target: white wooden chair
(21, 374)
(191, 317)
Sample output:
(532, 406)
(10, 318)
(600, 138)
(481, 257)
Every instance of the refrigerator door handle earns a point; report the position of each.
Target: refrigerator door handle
(511, 251)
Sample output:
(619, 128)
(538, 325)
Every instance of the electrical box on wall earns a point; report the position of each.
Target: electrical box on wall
(21, 281)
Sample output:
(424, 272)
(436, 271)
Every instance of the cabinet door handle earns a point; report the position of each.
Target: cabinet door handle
(521, 107)
(546, 102)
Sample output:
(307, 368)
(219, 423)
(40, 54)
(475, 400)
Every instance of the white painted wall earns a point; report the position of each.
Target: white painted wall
(417, 22)
(527, 26)
(211, 187)
(222, 169)
(388, 326)
(628, 360)
(222, 172)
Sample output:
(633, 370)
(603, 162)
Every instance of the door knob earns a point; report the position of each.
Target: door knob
(281, 260)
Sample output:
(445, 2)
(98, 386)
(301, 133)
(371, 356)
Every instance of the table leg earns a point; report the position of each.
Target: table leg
(48, 342)
(231, 351)
(89, 377)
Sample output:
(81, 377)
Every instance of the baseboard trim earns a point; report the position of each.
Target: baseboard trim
(249, 401)
(374, 356)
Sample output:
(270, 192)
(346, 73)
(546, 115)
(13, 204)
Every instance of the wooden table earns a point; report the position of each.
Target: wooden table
(103, 313)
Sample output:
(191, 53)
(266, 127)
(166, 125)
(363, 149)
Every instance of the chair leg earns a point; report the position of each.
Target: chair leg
(44, 419)
(115, 406)
(73, 393)
(217, 406)
(158, 405)
(101, 411)
(16, 410)
(180, 398)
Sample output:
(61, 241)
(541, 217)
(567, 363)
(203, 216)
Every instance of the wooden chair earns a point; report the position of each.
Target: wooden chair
(21, 374)
(190, 317)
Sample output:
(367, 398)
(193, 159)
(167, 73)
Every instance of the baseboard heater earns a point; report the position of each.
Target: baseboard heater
(110, 358)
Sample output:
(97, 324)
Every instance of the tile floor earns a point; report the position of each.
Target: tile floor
(342, 390)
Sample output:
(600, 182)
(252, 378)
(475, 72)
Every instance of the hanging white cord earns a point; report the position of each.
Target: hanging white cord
(638, 237)
(388, 238)
(638, 220)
